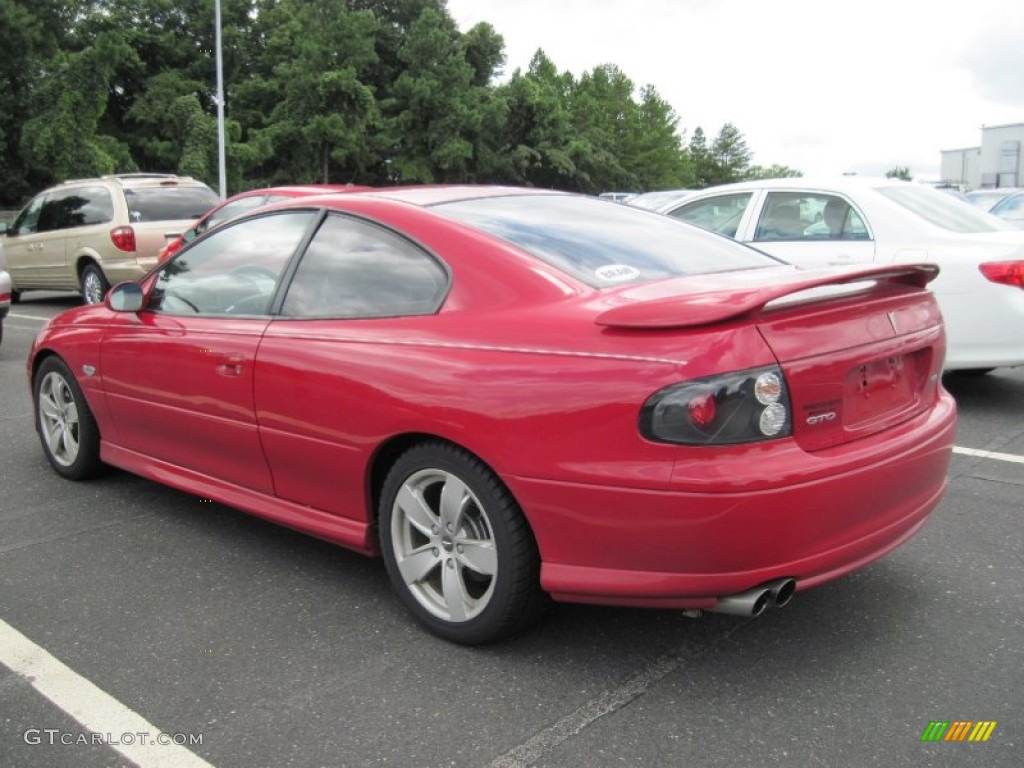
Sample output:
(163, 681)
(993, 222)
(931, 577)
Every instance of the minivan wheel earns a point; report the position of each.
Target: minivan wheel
(458, 550)
(94, 284)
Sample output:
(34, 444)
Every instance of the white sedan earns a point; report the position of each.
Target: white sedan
(854, 220)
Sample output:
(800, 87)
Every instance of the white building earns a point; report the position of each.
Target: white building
(998, 162)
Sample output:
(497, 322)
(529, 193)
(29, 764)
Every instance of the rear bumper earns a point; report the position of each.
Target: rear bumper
(682, 548)
(127, 269)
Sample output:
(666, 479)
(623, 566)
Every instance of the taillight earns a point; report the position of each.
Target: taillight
(170, 249)
(1005, 272)
(742, 407)
(123, 238)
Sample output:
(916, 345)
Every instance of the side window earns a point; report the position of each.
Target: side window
(234, 271)
(796, 216)
(229, 211)
(95, 206)
(78, 207)
(356, 269)
(719, 214)
(27, 222)
(54, 215)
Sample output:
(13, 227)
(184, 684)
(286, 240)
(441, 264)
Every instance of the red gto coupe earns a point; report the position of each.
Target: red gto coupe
(512, 394)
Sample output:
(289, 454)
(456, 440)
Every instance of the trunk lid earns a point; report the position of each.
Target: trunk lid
(856, 364)
(861, 348)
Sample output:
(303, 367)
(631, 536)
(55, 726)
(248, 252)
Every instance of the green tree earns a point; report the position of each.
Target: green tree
(730, 155)
(656, 153)
(899, 172)
(63, 138)
(602, 111)
(307, 101)
(436, 112)
(772, 172)
(535, 131)
(705, 171)
(29, 38)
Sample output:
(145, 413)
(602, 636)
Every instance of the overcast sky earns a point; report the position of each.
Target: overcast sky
(824, 87)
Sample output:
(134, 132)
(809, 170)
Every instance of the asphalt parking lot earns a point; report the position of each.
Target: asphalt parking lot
(147, 610)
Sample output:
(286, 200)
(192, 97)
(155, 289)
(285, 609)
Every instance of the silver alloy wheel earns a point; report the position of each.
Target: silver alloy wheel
(58, 419)
(444, 545)
(92, 287)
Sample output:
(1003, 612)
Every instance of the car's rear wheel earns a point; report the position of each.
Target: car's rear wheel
(458, 549)
(94, 284)
(66, 426)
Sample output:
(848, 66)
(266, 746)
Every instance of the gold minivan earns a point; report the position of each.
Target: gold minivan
(88, 234)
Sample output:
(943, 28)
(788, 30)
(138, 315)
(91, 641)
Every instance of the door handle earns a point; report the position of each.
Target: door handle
(230, 365)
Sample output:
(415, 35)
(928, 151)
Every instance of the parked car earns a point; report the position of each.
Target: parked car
(5, 292)
(242, 203)
(655, 201)
(1010, 209)
(986, 198)
(886, 221)
(512, 394)
(617, 197)
(87, 234)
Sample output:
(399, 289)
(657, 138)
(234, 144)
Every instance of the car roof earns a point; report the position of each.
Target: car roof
(839, 183)
(136, 180)
(427, 195)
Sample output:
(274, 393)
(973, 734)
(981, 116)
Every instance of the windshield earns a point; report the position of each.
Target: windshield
(603, 243)
(168, 203)
(942, 210)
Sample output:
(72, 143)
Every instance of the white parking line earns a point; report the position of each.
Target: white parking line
(988, 454)
(27, 317)
(97, 711)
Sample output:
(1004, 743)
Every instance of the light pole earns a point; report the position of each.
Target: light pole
(221, 164)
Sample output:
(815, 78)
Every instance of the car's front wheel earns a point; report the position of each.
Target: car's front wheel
(94, 284)
(67, 428)
(458, 549)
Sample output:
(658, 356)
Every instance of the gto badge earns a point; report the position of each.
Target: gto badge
(821, 418)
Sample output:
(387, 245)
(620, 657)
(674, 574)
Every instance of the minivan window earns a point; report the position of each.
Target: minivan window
(78, 207)
(169, 203)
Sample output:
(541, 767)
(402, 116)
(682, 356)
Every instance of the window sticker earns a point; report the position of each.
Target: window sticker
(617, 273)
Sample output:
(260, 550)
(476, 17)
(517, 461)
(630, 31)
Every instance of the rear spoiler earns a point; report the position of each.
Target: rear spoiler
(687, 309)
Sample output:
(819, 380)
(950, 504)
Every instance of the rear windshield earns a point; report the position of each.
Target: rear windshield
(603, 243)
(168, 203)
(943, 210)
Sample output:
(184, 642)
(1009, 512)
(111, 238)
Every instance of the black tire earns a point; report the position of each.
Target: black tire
(65, 424)
(15, 297)
(480, 529)
(1, 330)
(94, 284)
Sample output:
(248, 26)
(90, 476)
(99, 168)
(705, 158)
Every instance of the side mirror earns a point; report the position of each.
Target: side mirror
(125, 297)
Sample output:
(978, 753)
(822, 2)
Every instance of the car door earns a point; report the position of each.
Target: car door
(178, 375)
(35, 245)
(811, 229)
(725, 214)
(329, 361)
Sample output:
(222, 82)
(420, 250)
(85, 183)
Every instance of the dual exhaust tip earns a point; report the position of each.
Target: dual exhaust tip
(754, 602)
